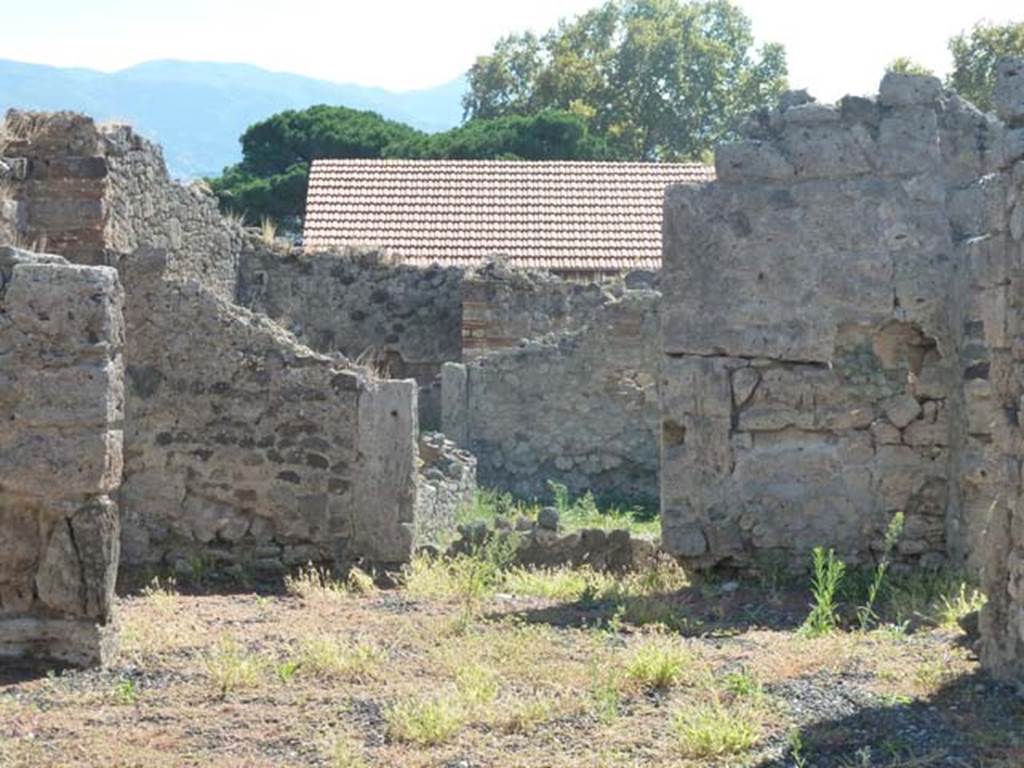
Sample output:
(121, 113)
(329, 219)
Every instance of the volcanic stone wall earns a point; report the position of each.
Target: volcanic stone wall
(501, 307)
(243, 447)
(96, 194)
(578, 407)
(404, 320)
(842, 340)
(992, 216)
(61, 406)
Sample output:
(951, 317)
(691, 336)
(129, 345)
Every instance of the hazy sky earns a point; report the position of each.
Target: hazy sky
(834, 47)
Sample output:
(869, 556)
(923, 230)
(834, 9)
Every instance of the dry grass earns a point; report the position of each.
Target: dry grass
(268, 230)
(374, 364)
(547, 669)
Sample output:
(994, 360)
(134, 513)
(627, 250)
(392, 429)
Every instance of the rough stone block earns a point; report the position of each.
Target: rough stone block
(1009, 91)
(54, 462)
(777, 295)
(90, 394)
(751, 160)
(73, 307)
(61, 399)
(900, 90)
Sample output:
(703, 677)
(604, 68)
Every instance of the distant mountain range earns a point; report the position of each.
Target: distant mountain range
(197, 110)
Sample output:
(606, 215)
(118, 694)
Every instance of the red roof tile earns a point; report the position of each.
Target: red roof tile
(562, 216)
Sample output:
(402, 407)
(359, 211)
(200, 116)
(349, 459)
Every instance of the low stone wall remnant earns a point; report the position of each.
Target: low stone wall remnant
(62, 406)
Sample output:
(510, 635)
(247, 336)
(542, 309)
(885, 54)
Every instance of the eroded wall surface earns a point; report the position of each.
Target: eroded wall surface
(577, 407)
(405, 320)
(842, 340)
(243, 447)
(996, 255)
(813, 330)
(502, 306)
(62, 407)
(97, 194)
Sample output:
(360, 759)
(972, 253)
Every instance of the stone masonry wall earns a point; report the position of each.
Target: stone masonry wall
(95, 194)
(242, 446)
(62, 405)
(843, 340)
(405, 320)
(812, 332)
(501, 306)
(579, 408)
(992, 220)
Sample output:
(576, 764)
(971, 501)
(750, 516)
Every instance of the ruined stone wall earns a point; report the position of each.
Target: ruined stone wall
(243, 448)
(843, 340)
(407, 319)
(501, 306)
(579, 408)
(447, 485)
(991, 217)
(95, 194)
(813, 333)
(61, 406)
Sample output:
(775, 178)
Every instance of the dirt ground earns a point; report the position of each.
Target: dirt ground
(542, 670)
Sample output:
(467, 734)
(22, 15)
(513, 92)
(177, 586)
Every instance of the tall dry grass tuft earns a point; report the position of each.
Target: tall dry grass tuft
(374, 363)
(268, 230)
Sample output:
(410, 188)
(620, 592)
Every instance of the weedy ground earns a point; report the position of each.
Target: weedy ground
(471, 663)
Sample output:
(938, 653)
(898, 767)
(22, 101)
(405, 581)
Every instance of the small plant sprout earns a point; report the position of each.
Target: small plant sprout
(658, 662)
(866, 613)
(423, 721)
(712, 730)
(229, 667)
(828, 575)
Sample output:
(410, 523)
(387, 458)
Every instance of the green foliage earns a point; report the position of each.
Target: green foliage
(658, 662)
(658, 79)
(547, 135)
(743, 683)
(298, 137)
(866, 613)
(904, 65)
(272, 178)
(934, 598)
(425, 722)
(281, 196)
(828, 575)
(230, 667)
(574, 514)
(974, 59)
(711, 730)
(126, 692)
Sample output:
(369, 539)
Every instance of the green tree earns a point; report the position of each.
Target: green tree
(547, 135)
(658, 79)
(276, 144)
(974, 59)
(905, 65)
(272, 177)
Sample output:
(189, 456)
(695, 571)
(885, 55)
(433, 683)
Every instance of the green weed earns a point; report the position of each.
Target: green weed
(828, 575)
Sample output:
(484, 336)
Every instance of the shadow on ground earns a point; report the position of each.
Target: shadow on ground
(970, 721)
(714, 608)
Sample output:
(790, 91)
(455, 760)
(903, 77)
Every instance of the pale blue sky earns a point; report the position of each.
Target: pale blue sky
(834, 47)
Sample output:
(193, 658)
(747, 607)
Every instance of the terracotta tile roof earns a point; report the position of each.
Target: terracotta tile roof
(562, 216)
